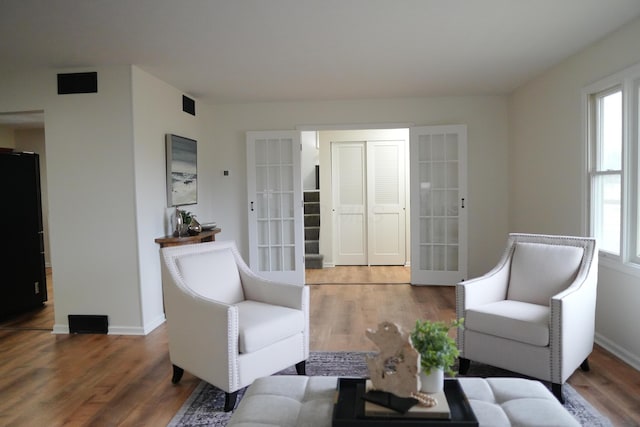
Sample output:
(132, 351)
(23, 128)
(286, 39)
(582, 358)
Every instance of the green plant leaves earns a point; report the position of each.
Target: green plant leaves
(186, 216)
(437, 349)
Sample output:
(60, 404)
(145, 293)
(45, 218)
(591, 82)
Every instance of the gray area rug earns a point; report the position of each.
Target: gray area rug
(204, 406)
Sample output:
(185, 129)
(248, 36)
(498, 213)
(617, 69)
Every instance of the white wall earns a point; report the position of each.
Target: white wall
(547, 179)
(486, 118)
(6, 137)
(106, 184)
(157, 110)
(91, 199)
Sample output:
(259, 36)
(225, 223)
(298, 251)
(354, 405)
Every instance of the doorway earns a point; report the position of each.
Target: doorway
(368, 202)
(436, 206)
(24, 131)
(380, 143)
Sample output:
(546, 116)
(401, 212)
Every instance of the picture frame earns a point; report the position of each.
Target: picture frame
(182, 170)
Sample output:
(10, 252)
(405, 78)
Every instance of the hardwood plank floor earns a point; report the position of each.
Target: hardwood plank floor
(104, 380)
(358, 274)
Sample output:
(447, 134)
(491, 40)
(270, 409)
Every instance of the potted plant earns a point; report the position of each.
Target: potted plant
(438, 351)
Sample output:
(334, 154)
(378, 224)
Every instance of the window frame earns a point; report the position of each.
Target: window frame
(627, 81)
(633, 157)
(595, 157)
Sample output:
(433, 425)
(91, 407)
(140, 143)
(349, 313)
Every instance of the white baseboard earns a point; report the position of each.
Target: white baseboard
(621, 353)
(330, 264)
(60, 329)
(126, 330)
(154, 324)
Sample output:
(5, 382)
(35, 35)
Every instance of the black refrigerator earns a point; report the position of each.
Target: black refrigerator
(22, 270)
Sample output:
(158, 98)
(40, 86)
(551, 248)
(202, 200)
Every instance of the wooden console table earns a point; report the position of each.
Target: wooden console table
(203, 236)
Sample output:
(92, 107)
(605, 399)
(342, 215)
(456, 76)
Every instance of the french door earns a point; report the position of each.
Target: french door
(438, 205)
(274, 188)
(438, 186)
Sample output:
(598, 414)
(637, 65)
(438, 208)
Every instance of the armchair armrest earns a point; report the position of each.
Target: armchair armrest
(572, 322)
(485, 289)
(216, 324)
(260, 289)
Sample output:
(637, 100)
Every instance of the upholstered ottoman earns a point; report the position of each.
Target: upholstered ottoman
(514, 402)
(287, 401)
(297, 401)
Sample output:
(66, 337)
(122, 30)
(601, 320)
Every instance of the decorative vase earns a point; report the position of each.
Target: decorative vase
(180, 227)
(432, 383)
(194, 227)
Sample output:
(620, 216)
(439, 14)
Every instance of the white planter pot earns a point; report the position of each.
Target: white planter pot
(432, 383)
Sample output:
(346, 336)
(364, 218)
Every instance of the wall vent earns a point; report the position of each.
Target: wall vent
(77, 83)
(188, 105)
(88, 324)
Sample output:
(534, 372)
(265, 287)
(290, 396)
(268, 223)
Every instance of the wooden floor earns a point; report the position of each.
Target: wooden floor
(104, 380)
(358, 275)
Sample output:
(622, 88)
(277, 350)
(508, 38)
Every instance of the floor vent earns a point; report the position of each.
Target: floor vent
(88, 324)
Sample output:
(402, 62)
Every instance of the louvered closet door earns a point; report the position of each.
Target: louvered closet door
(368, 186)
(438, 205)
(348, 180)
(274, 186)
(386, 202)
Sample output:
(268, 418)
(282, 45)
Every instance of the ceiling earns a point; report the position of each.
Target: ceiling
(229, 51)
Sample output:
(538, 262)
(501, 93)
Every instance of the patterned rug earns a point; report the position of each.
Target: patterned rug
(204, 406)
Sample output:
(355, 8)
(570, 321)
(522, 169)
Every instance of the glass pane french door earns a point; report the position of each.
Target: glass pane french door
(438, 208)
(275, 205)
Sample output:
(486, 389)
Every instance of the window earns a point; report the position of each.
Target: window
(613, 164)
(606, 170)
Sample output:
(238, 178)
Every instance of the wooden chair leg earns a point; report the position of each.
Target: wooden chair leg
(301, 368)
(585, 365)
(463, 365)
(230, 401)
(177, 374)
(557, 392)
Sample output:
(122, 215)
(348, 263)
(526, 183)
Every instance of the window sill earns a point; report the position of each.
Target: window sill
(615, 264)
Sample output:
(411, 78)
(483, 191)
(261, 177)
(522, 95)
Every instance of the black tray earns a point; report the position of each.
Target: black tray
(348, 410)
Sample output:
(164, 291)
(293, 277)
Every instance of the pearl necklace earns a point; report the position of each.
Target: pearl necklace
(425, 399)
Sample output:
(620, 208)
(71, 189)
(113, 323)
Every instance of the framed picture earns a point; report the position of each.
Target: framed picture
(182, 171)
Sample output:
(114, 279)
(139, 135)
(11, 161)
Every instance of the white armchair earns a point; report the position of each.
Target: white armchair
(534, 313)
(227, 325)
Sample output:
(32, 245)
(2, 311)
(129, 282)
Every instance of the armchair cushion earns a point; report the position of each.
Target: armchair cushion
(539, 271)
(261, 325)
(514, 320)
(220, 283)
